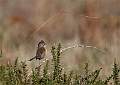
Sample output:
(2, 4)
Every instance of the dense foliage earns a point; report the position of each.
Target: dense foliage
(53, 74)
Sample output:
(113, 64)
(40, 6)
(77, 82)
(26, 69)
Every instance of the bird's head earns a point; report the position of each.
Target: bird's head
(41, 43)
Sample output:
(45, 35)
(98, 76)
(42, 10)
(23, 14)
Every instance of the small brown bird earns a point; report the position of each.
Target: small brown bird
(40, 54)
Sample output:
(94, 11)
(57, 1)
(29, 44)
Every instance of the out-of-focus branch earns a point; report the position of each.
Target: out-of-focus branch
(49, 20)
(82, 15)
(56, 16)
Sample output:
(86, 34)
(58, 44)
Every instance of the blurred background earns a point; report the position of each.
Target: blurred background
(23, 23)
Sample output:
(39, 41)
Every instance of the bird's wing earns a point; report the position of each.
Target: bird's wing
(40, 53)
(43, 55)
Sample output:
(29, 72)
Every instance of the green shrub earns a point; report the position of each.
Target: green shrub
(18, 74)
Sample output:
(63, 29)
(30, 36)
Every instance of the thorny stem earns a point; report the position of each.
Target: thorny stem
(82, 46)
(77, 46)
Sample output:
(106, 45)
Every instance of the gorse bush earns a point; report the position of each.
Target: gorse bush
(53, 74)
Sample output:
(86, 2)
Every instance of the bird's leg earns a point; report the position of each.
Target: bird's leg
(39, 63)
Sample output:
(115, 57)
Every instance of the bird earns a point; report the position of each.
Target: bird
(40, 53)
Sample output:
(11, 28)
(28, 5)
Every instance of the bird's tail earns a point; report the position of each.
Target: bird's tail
(32, 58)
